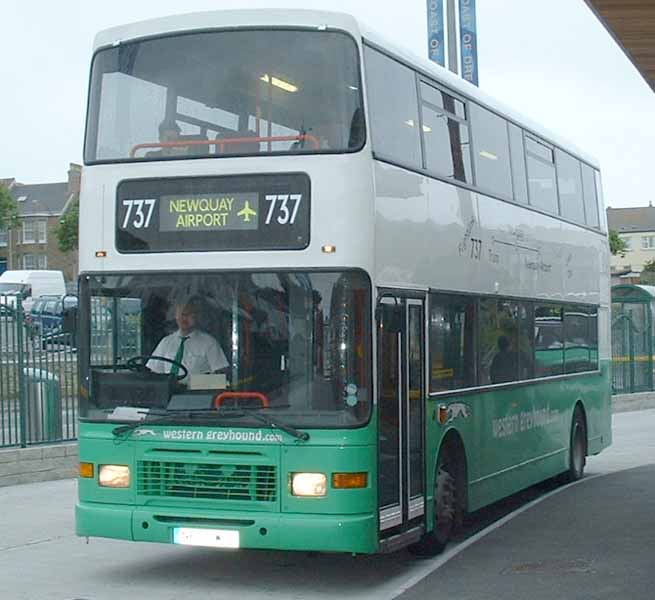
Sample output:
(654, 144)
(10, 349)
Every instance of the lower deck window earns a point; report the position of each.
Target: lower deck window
(488, 341)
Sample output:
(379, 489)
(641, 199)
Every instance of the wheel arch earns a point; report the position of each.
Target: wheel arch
(452, 446)
(579, 406)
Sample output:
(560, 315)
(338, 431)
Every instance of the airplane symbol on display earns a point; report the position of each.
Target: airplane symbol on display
(247, 212)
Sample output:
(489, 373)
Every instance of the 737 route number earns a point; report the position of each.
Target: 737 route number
(285, 206)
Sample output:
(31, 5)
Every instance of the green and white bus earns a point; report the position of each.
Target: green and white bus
(408, 281)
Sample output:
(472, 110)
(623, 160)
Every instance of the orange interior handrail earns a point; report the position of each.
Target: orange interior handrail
(226, 395)
(227, 141)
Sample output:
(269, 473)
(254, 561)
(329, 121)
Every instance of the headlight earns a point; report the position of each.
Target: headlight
(308, 484)
(116, 476)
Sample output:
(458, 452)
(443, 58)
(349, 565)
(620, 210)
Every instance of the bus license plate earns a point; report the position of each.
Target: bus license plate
(212, 538)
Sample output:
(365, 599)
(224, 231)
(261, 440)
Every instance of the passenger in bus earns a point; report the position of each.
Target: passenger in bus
(198, 351)
(169, 131)
(504, 366)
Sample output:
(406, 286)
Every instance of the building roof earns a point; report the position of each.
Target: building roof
(43, 199)
(631, 220)
(632, 24)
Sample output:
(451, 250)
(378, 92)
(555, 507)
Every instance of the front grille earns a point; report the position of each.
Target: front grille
(209, 481)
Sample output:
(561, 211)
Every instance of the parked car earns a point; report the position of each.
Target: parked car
(46, 318)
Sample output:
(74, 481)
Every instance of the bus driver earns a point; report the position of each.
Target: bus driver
(198, 351)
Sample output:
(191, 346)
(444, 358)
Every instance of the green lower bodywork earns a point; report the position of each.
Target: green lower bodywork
(518, 435)
(212, 485)
(182, 476)
(327, 533)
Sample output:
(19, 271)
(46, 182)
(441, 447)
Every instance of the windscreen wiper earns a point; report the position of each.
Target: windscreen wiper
(163, 418)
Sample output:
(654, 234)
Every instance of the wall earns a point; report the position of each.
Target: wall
(38, 463)
(637, 256)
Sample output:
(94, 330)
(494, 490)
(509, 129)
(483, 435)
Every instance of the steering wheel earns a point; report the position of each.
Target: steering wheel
(138, 364)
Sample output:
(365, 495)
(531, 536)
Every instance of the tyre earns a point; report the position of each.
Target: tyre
(446, 511)
(578, 448)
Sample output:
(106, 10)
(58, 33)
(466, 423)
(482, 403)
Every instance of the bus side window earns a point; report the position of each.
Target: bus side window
(499, 341)
(452, 327)
(549, 340)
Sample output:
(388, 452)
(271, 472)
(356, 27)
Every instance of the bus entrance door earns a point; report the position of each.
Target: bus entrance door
(401, 389)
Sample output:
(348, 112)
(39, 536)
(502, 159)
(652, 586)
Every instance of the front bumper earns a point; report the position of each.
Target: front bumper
(282, 531)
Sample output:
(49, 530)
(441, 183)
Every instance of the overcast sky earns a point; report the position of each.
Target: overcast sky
(550, 60)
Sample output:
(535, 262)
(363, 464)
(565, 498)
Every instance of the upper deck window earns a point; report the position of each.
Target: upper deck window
(590, 199)
(569, 183)
(224, 94)
(492, 159)
(445, 134)
(542, 184)
(393, 108)
(517, 153)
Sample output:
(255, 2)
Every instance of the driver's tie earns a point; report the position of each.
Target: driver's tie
(178, 357)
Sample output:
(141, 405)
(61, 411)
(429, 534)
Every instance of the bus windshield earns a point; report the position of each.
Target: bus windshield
(226, 93)
(293, 343)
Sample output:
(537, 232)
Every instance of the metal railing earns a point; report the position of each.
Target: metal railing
(38, 380)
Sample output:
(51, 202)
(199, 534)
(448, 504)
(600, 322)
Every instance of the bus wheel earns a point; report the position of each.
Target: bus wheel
(445, 514)
(578, 449)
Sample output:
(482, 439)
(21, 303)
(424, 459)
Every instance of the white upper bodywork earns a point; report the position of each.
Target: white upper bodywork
(404, 228)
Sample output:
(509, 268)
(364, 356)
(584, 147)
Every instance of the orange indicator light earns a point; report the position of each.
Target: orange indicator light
(443, 414)
(101, 253)
(329, 249)
(349, 480)
(86, 470)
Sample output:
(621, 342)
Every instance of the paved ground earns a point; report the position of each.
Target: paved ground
(590, 540)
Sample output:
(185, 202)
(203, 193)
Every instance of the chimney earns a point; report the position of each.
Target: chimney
(74, 178)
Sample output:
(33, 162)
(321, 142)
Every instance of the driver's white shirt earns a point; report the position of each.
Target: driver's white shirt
(202, 354)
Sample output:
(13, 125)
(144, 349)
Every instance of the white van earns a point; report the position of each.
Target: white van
(30, 285)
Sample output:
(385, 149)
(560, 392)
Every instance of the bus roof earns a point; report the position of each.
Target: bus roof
(311, 18)
(217, 19)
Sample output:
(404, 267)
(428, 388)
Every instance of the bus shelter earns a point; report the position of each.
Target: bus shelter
(632, 338)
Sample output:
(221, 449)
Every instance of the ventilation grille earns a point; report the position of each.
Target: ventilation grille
(257, 483)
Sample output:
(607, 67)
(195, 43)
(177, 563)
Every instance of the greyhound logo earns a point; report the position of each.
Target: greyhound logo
(458, 409)
(142, 432)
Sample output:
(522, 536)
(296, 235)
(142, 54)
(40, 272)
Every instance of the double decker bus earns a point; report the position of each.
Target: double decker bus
(408, 282)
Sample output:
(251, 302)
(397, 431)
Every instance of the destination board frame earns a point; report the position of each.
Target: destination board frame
(213, 213)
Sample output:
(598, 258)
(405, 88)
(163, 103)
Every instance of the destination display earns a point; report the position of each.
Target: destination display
(209, 212)
(254, 212)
